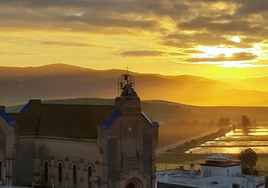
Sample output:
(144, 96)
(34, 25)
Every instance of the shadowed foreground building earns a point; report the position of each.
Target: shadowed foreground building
(80, 145)
(219, 171)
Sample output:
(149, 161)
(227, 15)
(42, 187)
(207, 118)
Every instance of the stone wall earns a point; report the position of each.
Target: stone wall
(34, 153)
(129, 129)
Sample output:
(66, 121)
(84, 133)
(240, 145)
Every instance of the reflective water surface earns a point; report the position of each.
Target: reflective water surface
(235, 141)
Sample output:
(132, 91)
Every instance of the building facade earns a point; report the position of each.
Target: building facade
(73, 146)
(219, 171)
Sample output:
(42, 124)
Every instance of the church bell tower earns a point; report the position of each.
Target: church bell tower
(128, 141)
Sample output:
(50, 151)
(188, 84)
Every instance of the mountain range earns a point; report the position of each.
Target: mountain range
(59, 81)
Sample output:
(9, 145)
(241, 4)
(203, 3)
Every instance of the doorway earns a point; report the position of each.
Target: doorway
(130, 185)
(134, 183)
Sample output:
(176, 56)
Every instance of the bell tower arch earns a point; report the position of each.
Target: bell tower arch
(128, 141)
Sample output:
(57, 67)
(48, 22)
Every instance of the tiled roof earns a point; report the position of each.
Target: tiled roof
(72, 121)
(219, 157)
(7, 118)
(27, 123)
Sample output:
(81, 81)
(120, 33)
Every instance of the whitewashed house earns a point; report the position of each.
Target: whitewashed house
(218, 171)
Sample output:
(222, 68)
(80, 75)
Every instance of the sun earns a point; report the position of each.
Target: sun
(236, 39)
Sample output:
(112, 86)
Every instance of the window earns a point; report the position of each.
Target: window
(60, 173)
(89, 177)
(74, 175)
(0, 170)
(227, 173)
(46, 171)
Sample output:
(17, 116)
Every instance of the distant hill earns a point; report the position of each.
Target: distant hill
(166, 111)
(66, 81)
(172, 114)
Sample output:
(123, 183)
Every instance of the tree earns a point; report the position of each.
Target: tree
(193, 142)
(248, 159)
(245, 122)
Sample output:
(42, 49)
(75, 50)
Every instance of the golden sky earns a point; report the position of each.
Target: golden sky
(212, 38)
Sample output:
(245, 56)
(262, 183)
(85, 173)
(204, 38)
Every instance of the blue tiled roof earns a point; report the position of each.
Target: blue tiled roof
(6, 117)
(112, 119)
(155, 123)
(152, 123)
(25, 108)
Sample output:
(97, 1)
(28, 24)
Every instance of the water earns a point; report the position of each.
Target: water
(235, 141)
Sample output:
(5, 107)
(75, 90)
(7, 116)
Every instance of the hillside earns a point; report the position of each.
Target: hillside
(172, 114)
(65, 81)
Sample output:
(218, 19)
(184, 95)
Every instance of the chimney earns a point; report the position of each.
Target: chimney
(35, 101)
(192, 169)
(2, 108)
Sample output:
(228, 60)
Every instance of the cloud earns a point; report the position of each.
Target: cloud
(156, 7)
(192, 51)
(67, 44)
(140, 53)
(14, 53)
(161, 24)
(182, 40)
(102, 21)
(235, 57)
(252, 7)
(97, 15)
(230, 27)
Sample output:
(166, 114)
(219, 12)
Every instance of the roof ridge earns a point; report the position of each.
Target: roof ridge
(108, 105)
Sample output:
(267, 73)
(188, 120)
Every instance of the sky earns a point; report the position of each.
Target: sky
(211, 38)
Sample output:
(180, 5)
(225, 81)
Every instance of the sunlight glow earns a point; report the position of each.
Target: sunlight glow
(236, 39)
(211, 52)
(225, 51)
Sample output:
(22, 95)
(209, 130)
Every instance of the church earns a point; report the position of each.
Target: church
(80, 146)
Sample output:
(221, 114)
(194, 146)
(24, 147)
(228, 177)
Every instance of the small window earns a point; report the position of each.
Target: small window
(60, 173)
(89, 177)
(227, 173)
(74, 175)
(46, 171)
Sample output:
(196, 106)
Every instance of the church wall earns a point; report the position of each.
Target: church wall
(65, 151)
(8, 140)
(23, 168)
(131, 145)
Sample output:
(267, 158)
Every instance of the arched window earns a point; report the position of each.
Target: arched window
(74, 175)
(1, 170)
(60, 173)
(89, 175)
(46, 171)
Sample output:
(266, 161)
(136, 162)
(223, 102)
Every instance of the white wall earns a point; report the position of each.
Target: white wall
(209, 171)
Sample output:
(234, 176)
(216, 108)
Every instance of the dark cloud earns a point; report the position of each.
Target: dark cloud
(252, 7)
(235, 57)
(142, 53)
(208, 24)
(102, 21)
(231, 27)
(156, 7)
